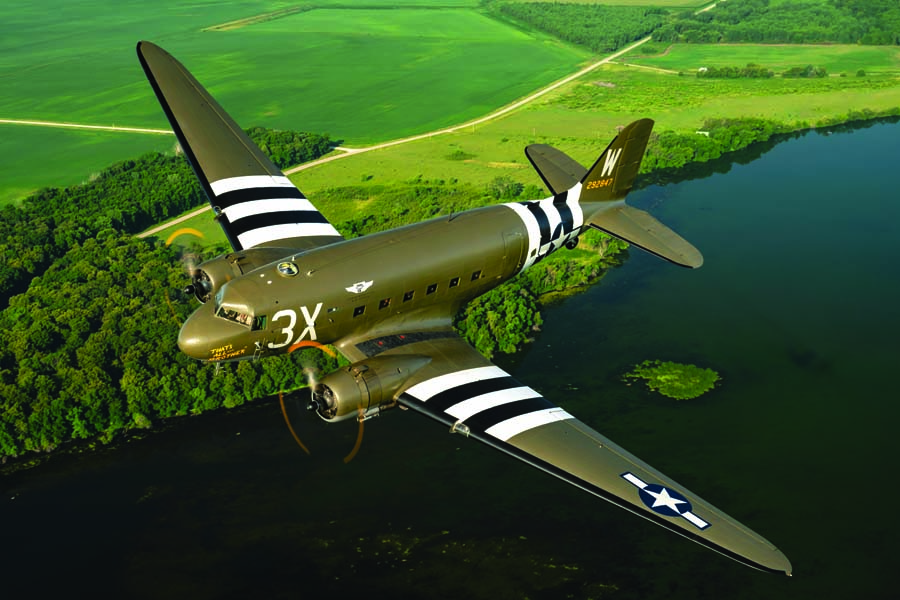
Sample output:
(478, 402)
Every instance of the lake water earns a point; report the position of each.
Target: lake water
(796, 307)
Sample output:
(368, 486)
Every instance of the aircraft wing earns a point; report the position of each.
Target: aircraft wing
(254, 202)
(472, 397)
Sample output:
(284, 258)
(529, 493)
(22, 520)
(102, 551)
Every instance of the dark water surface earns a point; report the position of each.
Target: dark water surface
(796, 307)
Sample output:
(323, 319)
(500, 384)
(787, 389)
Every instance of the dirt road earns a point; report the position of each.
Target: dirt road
(83, 126)
(494, 115)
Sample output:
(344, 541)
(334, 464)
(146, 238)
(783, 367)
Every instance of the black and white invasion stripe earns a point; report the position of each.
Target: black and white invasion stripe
(264, 208)
(487, 400)
(550, 223)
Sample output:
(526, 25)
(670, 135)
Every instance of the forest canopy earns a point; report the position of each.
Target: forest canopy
(875, 22)
(603, 28)
(87, 336)
(599, 27)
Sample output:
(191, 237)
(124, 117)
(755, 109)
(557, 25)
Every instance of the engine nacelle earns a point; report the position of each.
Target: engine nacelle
(365, 388)
(211, 275)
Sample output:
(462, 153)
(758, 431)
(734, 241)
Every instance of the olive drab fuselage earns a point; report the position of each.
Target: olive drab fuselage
(422, 273)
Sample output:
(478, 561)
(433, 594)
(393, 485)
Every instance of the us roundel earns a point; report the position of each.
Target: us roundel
(665, 501)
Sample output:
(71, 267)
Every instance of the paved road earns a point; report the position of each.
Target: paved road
(345, 152)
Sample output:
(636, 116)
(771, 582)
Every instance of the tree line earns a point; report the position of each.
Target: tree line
(603, 28)
(751, 71)
(128, 196)
(791, 22)
(87, 335)
(599, 27)
(670, 150)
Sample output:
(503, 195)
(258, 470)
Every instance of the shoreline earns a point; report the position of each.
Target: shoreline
(665, 176)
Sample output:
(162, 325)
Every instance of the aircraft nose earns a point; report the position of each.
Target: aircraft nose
(207, 337)
(194, 339)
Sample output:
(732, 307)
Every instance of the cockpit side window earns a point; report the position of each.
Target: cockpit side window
(243, 318)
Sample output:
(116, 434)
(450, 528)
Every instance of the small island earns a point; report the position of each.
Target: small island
(674, 380)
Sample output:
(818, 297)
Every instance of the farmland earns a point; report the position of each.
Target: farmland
(581, 118)
(420, 70)
(41, 156)
(361, 75)
(835, 58)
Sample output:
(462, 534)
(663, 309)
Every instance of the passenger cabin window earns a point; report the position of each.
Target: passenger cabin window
(259, 323)
(409, 295)
(476, 275)
(431, 288)
(359, 310)
(384, 303)
(454, 282)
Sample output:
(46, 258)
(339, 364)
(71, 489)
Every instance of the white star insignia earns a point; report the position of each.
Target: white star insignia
(662, 498)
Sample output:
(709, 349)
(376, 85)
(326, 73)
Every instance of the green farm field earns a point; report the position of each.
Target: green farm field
(582, 117)
(836, 59)
(361, 75)
(38, 157)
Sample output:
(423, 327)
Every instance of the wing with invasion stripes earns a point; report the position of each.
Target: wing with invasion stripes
(477, 399)
(254, 202)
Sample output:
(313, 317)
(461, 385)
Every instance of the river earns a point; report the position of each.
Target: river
(796, 307)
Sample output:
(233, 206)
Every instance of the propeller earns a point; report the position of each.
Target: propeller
(287, 420)
(311, 406)
(200, 285)
(188, 259)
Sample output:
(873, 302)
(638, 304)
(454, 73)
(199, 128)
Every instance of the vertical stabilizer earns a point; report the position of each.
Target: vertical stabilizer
(612, 176)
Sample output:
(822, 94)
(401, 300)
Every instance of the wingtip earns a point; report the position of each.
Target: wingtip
(145, 49)
(695, 262)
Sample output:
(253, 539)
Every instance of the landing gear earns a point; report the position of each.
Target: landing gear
(570, 244)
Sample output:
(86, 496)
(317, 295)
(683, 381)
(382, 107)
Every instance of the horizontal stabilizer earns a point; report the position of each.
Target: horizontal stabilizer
(558, 170)
(643, 230)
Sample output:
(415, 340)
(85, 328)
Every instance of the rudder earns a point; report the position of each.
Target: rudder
(613, 175)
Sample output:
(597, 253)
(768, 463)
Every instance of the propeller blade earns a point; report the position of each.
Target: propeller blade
(288, 422)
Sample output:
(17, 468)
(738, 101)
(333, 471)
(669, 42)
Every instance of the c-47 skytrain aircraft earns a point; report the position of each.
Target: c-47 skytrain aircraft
(386, 301)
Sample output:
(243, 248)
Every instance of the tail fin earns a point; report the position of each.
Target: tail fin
(603, 191)
(612, 176)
